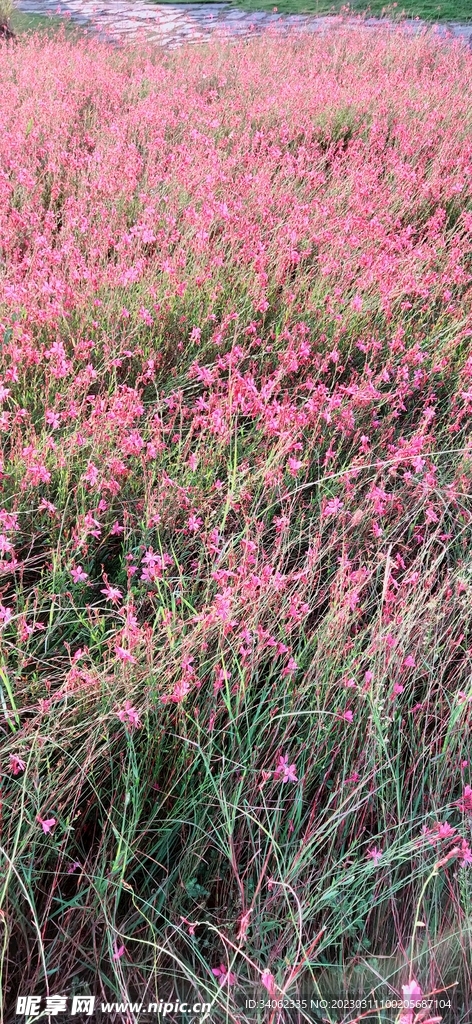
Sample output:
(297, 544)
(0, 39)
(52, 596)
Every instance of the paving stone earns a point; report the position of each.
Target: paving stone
(171, 24)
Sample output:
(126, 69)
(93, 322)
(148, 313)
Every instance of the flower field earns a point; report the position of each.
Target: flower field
(235, 521)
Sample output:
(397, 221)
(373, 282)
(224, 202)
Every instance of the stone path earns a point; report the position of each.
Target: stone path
(171, 24)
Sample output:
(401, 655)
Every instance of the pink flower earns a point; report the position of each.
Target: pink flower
(397, 689)
(76, 864)
(129, 716)
(268, 981)
(456, 850)
(375, 854)
(124, 655)
(409, 661)
(46, 823)
(288, 772)
(411, 993)
(346, 716)
(333, 507)
(465, 803)
(118, 952)
(226, 977)
(52, 418)
(290, 668)
(417, 707)
(6, 615)
(91, 474)
(443, 829)
(112, 593)
(16, 764)
(78, 574)
(190, 926)
(194, 523)
(294, 466)
(143, 312)
(465, 853)
(80, 653)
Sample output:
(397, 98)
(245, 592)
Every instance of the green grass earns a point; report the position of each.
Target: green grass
(429, 10)
(174, 842)
(22, 23)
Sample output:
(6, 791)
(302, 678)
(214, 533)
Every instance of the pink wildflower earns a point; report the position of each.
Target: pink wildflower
(118, 952)
(465, 802)
(52, 418)
(333, 507)
(290, 668)
(91, 474)
(225, 976)
(73, 867)
(194, 523)
(81, 652)
(456, 850)
(6, 615)
(112, 593)
(375, 854)
(397, 689)
(129, 716)
(268, 981)
(411, 993)
(443, 829)
(124, 655)
(78, 575)
(16, 764)
(294, 466)
(346, 716)
(286, 772)
(465, 853)
(47, 824)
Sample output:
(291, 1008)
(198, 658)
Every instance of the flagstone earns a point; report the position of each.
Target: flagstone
(172, 24)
